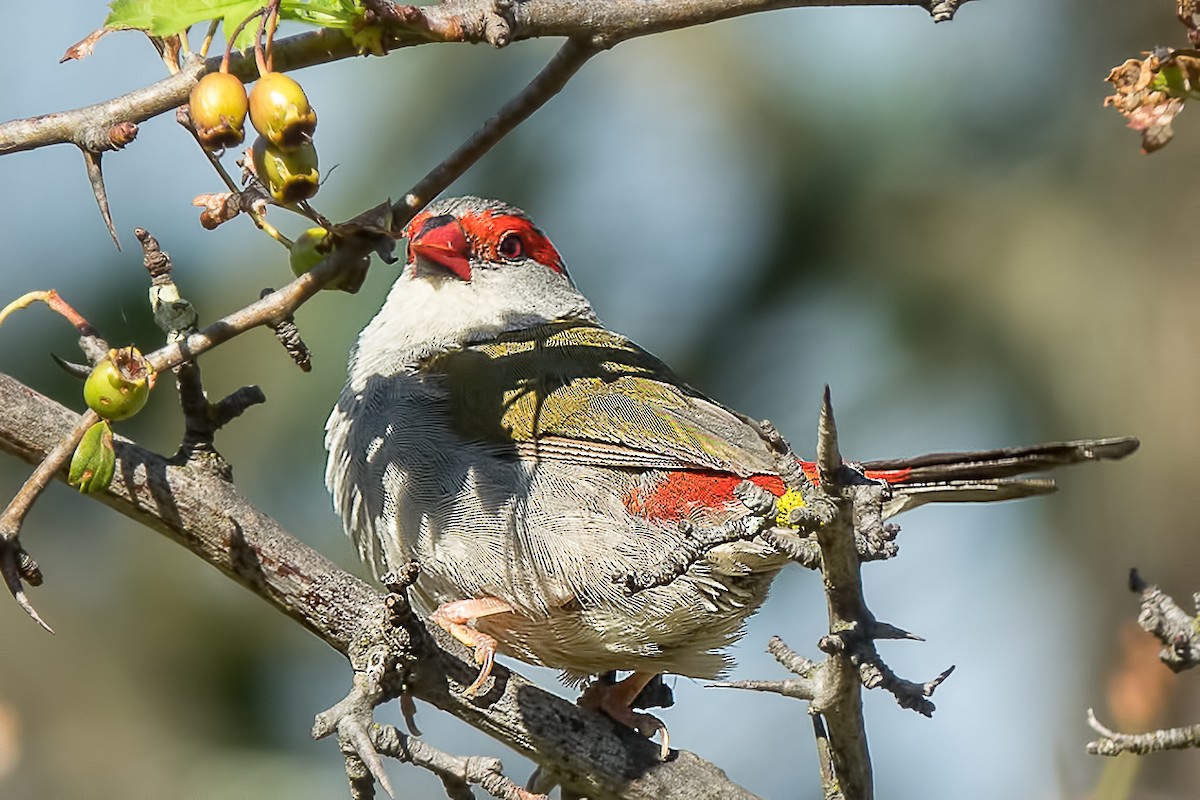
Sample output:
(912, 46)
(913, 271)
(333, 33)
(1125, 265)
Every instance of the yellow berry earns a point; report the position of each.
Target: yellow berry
(218, 107)
(289, 175)
(280, 111)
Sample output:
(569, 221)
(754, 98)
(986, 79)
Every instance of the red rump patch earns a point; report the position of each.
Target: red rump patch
(684, 492)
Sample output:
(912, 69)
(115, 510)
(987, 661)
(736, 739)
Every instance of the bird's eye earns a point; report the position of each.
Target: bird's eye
(511, 246)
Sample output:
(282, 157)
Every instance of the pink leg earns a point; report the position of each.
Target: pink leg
(616, 699)
(454, 618)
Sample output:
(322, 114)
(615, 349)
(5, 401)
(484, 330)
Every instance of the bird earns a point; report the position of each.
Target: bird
(526, 457)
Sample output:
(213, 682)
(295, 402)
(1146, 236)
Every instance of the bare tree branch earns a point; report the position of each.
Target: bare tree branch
(839, 701)
(603, 22)
(586, 751)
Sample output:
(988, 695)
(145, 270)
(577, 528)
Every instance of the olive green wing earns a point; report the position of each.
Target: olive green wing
(577, 392)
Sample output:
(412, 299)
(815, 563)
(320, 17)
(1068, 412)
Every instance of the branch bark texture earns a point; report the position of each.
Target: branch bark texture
(603, 22)
(207, 515)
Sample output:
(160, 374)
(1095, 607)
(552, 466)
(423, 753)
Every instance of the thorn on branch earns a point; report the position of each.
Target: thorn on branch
(95, 174)
(795, 688)
(883, 630)
(829, 457)
(80, 371)
(15, 565)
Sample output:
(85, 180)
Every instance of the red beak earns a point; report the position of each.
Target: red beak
(445, 245)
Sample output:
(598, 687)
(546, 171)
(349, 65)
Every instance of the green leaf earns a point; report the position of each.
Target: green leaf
(95, 461)
(167, 17)
(325, 13)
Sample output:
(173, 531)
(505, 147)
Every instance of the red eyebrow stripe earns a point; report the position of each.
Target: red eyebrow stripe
(493, 225)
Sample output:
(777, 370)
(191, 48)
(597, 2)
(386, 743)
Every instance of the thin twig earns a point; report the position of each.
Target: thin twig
(14, 514)
(35, 484)
(1113, 743)
(283, 302)
(566, 62)
(1162, 617)
(226, 59)
(487, 773)
(610, 21)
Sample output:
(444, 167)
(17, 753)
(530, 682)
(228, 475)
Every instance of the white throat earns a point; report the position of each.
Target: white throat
(426, 315)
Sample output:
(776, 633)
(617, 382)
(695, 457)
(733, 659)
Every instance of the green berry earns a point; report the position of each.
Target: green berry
(289, 175)
(95, 460)
(309, 249)
(218, 107)
(118, 385)
(280, 111)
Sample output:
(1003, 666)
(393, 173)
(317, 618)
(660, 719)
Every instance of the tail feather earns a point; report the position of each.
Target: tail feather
(986, 475)
(906, 497)
(1001, 463)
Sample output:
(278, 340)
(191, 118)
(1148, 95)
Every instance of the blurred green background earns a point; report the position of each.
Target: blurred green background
(942, 223)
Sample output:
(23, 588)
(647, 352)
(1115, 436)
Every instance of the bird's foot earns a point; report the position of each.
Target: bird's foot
(616, 700)
(455, 618)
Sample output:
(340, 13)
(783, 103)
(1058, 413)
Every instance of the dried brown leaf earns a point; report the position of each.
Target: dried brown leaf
(84, 47)
(1188, 12)
(219, 208)
(1151, 93)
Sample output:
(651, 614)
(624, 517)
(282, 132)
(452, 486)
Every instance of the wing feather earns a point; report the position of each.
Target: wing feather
(573, 391)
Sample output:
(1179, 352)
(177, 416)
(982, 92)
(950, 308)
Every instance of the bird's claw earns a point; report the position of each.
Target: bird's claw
(485, 657)
(614, 700)
(454, 617)
(648, 725)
